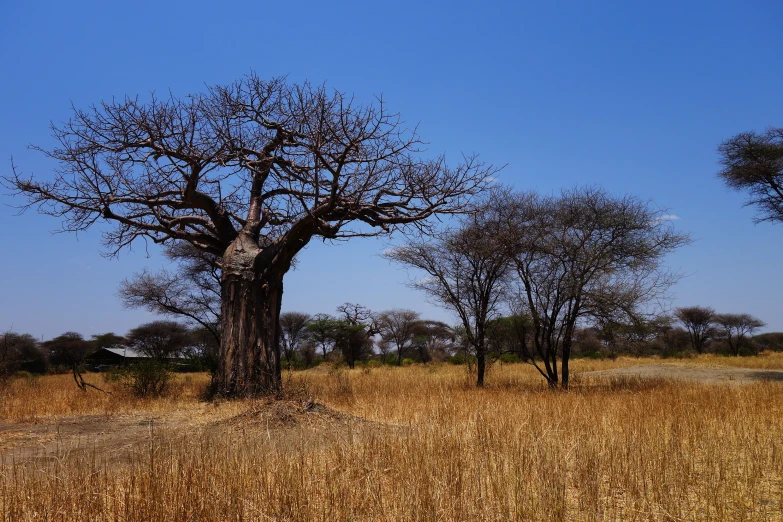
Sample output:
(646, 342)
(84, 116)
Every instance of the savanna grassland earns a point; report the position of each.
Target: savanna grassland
(410, 443)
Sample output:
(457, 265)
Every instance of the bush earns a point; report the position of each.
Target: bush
(592, 354)
(676, 354)
(145, 379)
(113, 375)
(769, 341)
(510, 358)
(389, 360)
(460, 358)
(408, 362)
(24, 375)
(343, 384)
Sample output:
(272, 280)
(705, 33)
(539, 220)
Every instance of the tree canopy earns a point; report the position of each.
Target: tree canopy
(247, 172)
(753, 163)
(583, 254)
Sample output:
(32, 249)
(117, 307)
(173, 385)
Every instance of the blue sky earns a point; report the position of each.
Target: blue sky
(631, 96)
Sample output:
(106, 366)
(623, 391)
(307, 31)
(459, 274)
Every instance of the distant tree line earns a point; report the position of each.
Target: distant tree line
(357, 335)
(158, 340)
(730, 333)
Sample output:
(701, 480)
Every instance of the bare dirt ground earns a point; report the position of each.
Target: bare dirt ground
(286, 423)
(695, 373)
(104, 433)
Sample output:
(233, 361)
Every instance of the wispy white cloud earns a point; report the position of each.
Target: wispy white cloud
(669, 217)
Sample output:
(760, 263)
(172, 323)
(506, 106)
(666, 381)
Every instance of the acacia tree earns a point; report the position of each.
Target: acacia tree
(583, 254)
(510, 335)
(432, 340)
(192, 292)
(20, 352)
(293, 330)
(320, 332)
(159, 340)
(699, 322)
(107, 340)
(735, 327)
(465, 271)
(68, 350)
(754, 163)
(398, 327)
(248, 172)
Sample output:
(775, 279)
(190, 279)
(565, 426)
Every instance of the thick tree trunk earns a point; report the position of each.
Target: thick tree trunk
(249, 351)
(249, 362)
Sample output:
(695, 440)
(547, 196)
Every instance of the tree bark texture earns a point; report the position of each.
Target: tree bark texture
(250, 315)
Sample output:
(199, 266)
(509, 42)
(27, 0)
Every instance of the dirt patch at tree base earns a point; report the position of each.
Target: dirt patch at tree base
(704, 374)
(288, 414)
(283, 422)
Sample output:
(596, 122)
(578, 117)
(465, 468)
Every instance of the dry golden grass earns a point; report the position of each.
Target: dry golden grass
(765, 361)
(37, 398)
(418, 443)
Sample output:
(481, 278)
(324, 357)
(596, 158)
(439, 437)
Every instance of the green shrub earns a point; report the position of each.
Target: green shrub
(510, 358)
(146, 378)
(460, 358)
(591, 354)
(113, 375)
(24, 375)
(676, 354)
(769, 341)
(408, 362)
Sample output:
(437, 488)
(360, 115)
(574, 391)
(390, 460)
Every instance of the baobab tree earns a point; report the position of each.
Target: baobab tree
(250, 173)
(293, 330)
(353, 333)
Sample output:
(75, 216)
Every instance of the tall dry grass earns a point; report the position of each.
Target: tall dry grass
(35, 398)
(422, 444)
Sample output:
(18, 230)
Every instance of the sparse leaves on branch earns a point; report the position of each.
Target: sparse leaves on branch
(753, 163)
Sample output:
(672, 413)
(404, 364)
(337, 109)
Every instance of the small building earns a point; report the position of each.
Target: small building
(107, 358)
(113, 357)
